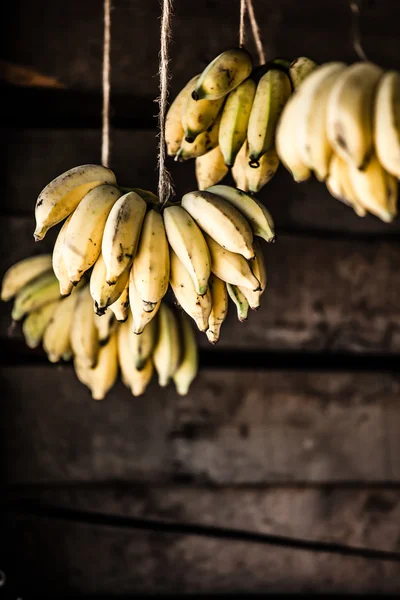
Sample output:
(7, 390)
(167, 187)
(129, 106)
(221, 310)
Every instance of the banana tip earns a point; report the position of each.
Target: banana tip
(195, 95)
(254, 163)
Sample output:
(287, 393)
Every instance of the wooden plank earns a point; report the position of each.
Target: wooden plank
(322, 296)
(57, 557)
(200, 32)
(232, 428)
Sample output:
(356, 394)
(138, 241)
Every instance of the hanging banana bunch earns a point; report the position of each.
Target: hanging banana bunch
(226, 118)
(343, 125)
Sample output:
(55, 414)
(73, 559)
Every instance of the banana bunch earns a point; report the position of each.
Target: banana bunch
(343, 125)
(68, 328)
(226, 117)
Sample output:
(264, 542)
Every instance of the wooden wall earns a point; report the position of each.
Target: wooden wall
(293, 425)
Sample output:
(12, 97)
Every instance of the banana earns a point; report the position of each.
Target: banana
(105, 324)
(151, 263)
(254, 211)
(141, 346)
(242, 305)
(58, 262)
(188, 243)
(84, 334)
(387, 122)
(375, 189)
(56, 338)
(121, 234)
(240, 170)
(285, 142)
(223, 74)
(235, 119)
(103, 294)
(196, 306)
(166, 354)
(268, 166)
(147, 196)
(273, 91)
(62, 195)
(36, 293)
(340, 185)
(220, 220)
(136, 380)
(349, 122)
(103, 376)
(174, 131)
(140, 316)
(22, 273)
(300, 69)
(82, 371)
(312, 141)
(198, 116)
(36, 322)
(230, 267)
(219, 308)
(259, 270)
(210, 168)
(120, 307)
(188, 367)
(204, 143)
(82, 242)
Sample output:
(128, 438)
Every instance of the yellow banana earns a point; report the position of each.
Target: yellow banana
(136, 380)
(260, 272)
(285, 141)
(219, 308)
(36, 293)
(103, 294)
(151, 263)
(204, 143)
(188, 243)
(142, 345)
(84, 334)
(254, 211)
(240, 170)
(242, 305)
(174, 131)
(105, 324)
(220, 220)
(196, 306)
(36, 322)
(58, 262)
(210, 168)
(235, 119)
(387, 122)
(230, 267)
(121, 234)
(267, 167)
(166, 354)
(140, 316)
(349, 123)
(189, 364)
(300, 69)
(120, 307)
(198, 116)
(62, 195)
(375, 189)
(273, 91)
(223, 74)
(103, 376)
(340, 186)
(23, 272)
(56, 338)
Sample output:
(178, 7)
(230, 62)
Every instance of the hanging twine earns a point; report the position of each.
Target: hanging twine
(241, 23)
(165, 187)
(256, 31)
(355, 7)
(105, 134)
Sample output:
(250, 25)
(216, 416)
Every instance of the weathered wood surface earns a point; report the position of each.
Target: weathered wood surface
(201, 30)
(322, 295)
(57, 557)
(232, 428)
(35, 157)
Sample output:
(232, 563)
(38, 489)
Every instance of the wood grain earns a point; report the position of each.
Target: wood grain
(232, 428)
(61, 557)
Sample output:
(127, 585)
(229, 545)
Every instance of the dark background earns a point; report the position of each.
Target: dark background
(293, 424)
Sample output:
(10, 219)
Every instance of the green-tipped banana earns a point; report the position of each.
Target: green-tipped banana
(387, 122)
(273, 91)
(198, 116)
(219, 308)
(223, 74)
(210, 168)
(36, 322)
(300, 69)
(36, 293)
(174, 131)
(23, 272)
(255, 212)
(240, 301)
(188, 367)
(235, 119)
(166, 353)
(62, 195)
